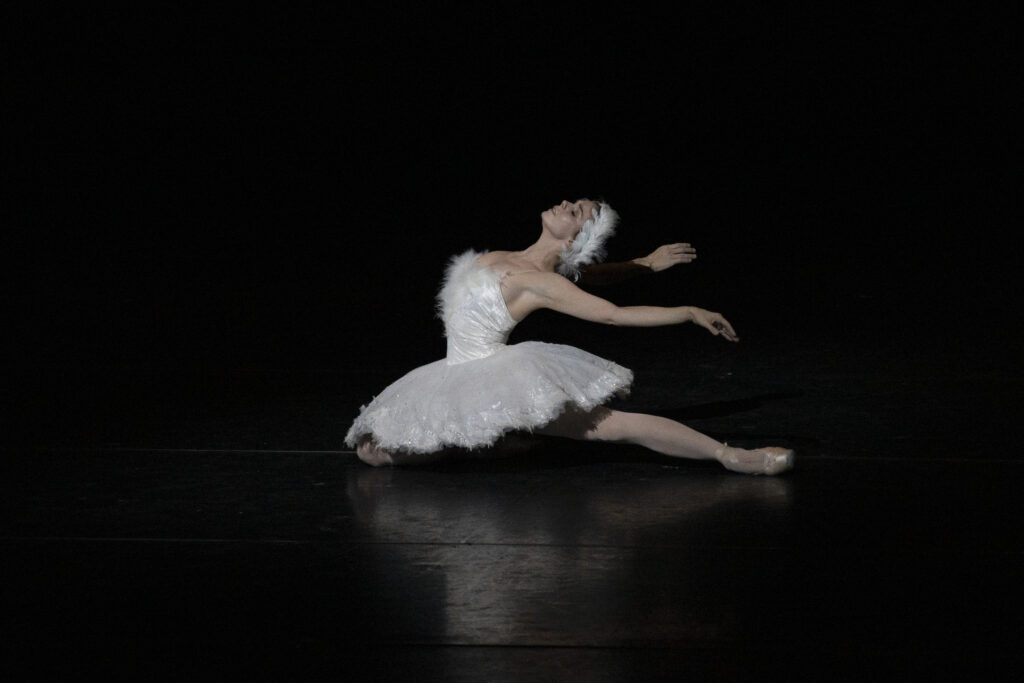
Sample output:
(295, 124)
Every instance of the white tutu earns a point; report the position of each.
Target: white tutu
(484, 388)
(470, 405)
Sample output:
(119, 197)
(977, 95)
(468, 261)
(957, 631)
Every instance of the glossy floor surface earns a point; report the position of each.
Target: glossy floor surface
(176, 523)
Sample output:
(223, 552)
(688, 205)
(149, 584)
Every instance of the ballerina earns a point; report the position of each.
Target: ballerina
(485, 388)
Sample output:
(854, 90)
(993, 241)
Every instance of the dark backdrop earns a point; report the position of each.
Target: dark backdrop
(280, 190)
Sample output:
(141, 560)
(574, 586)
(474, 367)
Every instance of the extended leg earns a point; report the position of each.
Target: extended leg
(659, 434)
(666, 436)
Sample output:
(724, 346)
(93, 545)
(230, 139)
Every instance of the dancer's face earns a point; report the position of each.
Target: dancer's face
(565, 220)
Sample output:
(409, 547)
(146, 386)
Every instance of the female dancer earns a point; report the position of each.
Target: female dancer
(485, 388)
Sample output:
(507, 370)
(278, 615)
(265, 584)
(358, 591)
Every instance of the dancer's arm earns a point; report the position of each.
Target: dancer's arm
(604, 274)
(662, 258)
(547, 290)
(666, 256)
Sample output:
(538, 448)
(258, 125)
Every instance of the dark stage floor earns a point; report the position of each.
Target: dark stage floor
(166, 523)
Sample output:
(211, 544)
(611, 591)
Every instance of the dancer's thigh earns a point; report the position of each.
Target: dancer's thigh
(590, 425)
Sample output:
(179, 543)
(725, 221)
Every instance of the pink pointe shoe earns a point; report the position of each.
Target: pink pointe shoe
(767, 460)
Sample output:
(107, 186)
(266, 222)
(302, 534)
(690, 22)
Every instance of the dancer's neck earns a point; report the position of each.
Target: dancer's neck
(545, 253)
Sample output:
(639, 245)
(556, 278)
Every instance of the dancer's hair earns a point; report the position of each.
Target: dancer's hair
(588, 246)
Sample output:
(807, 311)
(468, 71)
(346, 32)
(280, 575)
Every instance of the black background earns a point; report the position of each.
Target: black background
(280, 189)
(223, 230)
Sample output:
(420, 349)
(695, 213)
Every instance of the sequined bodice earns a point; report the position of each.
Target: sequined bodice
(476, 320)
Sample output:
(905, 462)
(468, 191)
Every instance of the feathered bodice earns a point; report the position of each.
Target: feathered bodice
(476, 320)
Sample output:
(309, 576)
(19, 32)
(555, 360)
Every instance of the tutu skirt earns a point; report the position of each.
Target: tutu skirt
(472, 404)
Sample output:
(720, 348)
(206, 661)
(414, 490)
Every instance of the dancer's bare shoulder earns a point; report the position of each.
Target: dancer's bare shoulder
(506, 262)
(492, 258)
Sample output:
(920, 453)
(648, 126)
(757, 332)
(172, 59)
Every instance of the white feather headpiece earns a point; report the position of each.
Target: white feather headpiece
(588, 247)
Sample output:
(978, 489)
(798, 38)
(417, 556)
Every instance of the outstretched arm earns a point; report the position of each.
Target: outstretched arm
(604, 274)
(667, 256)
(547, 290)
(662, 258)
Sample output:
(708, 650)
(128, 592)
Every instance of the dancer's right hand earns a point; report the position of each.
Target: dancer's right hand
(715, 324)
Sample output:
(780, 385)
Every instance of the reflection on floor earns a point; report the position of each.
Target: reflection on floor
(160, 524)
(541, 562)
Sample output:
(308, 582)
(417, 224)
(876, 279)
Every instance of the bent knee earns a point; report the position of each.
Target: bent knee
(372, 455)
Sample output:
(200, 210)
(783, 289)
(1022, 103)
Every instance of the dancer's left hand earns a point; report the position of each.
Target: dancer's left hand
(668, 255)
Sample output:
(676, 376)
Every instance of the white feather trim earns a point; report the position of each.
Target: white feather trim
(588, 247)
(453, 292)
